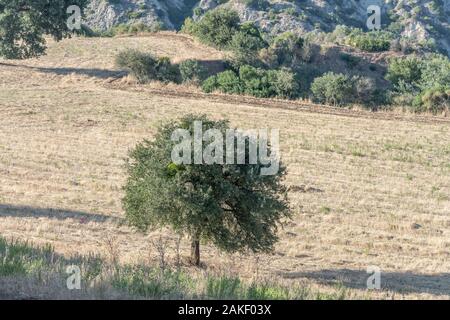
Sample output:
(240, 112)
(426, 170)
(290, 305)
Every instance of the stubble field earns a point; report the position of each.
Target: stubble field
(365, 190)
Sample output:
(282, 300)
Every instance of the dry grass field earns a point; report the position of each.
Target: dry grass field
(365, 189)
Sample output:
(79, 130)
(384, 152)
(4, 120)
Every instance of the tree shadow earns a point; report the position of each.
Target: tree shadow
(63, 71)
(400, 282)
(7, 210)
(90, 72)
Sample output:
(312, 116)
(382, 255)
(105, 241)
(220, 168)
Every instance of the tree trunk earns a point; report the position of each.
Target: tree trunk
(195, 251)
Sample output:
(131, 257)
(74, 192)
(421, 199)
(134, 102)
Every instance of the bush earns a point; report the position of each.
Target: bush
(191, 71)
(285, 84)
(405, 72)
(433, 100)
(422, 83)
(435, 72)
(210, 84)
(331, 88)
(145, 67)
(245, 45)
(216, 28)
(373, 41)
(287, 49)
(255, 82)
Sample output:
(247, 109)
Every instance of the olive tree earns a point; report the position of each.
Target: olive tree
(24, 23)
(232, 206)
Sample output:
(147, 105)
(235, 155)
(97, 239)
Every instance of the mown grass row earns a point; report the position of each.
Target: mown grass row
(20, 260)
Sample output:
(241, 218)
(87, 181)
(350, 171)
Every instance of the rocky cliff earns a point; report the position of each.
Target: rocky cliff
(417, 20)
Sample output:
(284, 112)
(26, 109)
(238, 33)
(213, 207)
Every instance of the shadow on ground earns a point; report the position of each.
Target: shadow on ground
(90, 72)
(7, 210)
(400, 282)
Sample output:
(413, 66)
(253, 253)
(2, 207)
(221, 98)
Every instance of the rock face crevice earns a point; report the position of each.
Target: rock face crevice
(418, 20)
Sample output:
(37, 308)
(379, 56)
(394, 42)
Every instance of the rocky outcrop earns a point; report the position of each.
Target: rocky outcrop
(418, 20)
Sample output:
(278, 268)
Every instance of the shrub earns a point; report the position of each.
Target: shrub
(331, 88)
(421, 82)
(433, 100)
(255, 82)
(215, 28)
(435, 72)
(191, 71)
(287, 48)
(210, 84)
(285, 84)
(373, 41)
(229, 82)
(245, 45)
(365, 91)
(403, 72)
(145, 67)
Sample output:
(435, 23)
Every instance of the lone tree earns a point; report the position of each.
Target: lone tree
(23, 24)
(231, 206)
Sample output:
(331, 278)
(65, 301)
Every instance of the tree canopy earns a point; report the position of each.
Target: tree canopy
(24, 23)
(231, 206)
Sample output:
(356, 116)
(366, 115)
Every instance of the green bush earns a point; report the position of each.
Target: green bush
(373, 41)
(421, 82)
(331, 88)
(229, 82)
(433, 100)
(405, 72)
(255, 82)
(285, 84)
(145, 67)
(210, 84)
(288, 49)
(191, 71)
(216, 27)
(245, 45)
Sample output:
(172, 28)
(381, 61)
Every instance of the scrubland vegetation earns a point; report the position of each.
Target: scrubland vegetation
(283, 66)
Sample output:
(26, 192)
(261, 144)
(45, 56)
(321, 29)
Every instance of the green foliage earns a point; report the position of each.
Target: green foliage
(23, 24)
(405, 71)
(433, 100)
(226, 81)
(255, 82)
(245, 45)
(422, 82)
(435, 72)
(373, 41)
(17, 258)
(216, 27)
(145, 67)
(230, 205)
(192, 71)
(288, 48)
(331, 88)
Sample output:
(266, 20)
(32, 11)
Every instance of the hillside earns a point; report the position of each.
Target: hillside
(420, 23)
(365, 188)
